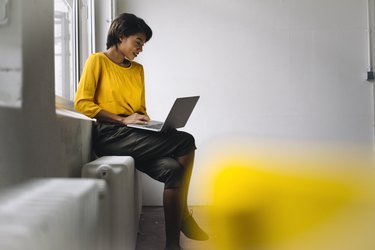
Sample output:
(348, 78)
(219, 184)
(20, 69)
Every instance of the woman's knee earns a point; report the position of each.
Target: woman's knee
(167, 170)
(187, 144)
(172, 173)
(188, 137)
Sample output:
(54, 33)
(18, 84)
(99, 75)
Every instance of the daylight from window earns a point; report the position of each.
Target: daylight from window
(64, 57)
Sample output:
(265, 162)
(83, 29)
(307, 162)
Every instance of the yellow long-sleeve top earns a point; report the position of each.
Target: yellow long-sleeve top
(105, 85)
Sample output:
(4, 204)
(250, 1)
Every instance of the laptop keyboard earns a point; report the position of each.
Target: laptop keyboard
(153, 126)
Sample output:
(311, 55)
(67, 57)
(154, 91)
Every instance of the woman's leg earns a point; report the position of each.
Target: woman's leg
(169, 171)
(173, 207)
(176, 212)
(188, 225)
(176, 174)
(187, 162)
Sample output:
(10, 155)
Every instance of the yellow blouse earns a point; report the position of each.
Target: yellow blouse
(105, 85)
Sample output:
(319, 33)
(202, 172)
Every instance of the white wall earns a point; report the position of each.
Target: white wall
(286, 69)
(102, 22)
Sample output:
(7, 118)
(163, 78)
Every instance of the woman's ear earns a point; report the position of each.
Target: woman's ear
(122, 38)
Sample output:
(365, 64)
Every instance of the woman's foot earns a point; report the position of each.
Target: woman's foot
(191, 229)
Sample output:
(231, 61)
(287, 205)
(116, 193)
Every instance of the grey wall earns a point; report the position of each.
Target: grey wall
(28, 133)
(34, 142)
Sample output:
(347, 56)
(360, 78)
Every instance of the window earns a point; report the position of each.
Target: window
(64, 48)
(74, 41)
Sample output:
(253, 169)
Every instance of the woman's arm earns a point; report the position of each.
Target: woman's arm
(112, 118)
(84, 98)
(87, 92)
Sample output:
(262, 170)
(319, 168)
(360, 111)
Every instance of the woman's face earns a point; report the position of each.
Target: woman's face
(132, 45)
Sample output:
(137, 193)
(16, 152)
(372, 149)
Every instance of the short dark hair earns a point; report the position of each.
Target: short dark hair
(126, 24)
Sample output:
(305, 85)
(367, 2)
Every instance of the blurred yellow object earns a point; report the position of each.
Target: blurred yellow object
(322, 203)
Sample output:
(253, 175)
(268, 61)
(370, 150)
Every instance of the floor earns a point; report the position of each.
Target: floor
(151, 234)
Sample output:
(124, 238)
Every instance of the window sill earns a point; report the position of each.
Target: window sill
(62, 103)
(65, 108)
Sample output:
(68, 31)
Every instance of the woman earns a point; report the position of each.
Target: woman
(112, 90)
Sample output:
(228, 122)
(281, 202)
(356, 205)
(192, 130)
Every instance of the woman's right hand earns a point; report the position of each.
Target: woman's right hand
(135, 119)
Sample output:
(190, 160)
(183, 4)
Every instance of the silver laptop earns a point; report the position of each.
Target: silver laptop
(177, 117)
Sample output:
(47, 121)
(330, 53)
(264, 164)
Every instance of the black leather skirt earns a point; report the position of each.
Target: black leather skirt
(154, 153)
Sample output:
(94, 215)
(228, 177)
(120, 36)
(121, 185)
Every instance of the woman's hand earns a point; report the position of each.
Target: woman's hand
(136, 119)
